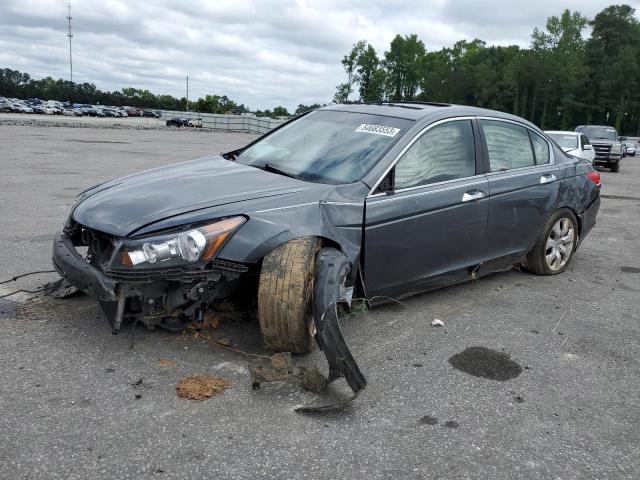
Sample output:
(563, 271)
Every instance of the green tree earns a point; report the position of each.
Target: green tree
(402, 64)
(613, 56)
(280, 112)
(305, 108)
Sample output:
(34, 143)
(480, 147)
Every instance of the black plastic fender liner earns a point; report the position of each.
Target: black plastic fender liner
(332, 269)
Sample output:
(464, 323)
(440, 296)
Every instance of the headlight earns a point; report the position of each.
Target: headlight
(616, 148)
(200, 244)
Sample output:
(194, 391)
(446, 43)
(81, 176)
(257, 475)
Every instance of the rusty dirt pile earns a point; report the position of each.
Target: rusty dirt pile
(201, 387)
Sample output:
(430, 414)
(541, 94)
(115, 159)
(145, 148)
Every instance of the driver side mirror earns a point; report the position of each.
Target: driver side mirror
(587, 147)
(622, 139)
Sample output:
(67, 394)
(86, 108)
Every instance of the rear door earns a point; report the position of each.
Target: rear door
(523, 185)
(425, 222)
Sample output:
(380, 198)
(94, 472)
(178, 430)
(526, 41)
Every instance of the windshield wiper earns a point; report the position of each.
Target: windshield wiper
(272, 169)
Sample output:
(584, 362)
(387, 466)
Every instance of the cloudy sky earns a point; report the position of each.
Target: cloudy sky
(260, 53)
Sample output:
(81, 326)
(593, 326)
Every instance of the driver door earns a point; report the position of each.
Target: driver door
(426, 227)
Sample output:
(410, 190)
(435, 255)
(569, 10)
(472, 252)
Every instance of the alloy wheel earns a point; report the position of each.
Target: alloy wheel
(559, 246)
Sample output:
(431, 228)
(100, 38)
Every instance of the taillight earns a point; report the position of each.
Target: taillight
(594, 177)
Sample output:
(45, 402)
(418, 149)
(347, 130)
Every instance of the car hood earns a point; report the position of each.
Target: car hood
(122, 206)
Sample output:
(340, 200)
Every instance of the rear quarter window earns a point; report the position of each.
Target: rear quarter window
(540, 148)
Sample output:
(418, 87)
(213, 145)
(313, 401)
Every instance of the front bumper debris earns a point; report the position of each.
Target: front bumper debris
(332, 269)
(87, 278)
(167, 298)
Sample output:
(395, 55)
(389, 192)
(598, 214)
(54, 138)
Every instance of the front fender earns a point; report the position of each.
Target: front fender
(340, 223)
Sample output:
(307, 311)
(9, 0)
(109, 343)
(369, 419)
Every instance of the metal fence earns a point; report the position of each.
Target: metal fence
(227, 123)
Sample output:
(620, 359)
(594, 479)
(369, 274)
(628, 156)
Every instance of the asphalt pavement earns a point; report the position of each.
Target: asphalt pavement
(558, 396)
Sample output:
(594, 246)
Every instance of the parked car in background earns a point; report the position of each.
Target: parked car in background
(606, 143)
(151, 114)
(439, 194)
(20, 108)
(177, 122)
(70, 112)
(574, 143)
(195, 122)
(630, 147)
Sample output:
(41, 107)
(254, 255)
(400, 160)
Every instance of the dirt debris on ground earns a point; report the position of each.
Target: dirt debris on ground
(166, 362)
(201, 387)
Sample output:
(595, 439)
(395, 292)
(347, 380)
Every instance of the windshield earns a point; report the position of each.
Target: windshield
(603, 133)
(327, 146)
(566, 141)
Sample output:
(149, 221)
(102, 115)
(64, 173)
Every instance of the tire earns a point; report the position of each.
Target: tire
(537, 260)
(285, 306)
(615, 167)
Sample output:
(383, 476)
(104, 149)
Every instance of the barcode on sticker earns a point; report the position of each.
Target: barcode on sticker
(378, 130)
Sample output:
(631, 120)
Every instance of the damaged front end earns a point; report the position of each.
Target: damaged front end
(164, 280)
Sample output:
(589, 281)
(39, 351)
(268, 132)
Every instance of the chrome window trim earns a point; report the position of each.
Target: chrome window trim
(440, 186)
(552, 158)
(407, 147)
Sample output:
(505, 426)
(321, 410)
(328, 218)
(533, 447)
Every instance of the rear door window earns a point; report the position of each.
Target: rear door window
(508, 145)
(444, 152)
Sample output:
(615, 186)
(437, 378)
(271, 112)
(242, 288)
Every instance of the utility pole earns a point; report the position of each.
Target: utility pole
(70, 35)
(187, 108)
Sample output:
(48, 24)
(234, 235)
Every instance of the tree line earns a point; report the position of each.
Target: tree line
(562, 80)
(15, 84)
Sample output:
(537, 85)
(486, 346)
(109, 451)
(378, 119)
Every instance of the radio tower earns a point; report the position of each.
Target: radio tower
(70, 35)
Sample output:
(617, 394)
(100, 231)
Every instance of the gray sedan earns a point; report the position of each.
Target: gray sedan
(371, 201)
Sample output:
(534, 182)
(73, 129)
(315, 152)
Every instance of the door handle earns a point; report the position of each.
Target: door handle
(473, 195)
(547, 177)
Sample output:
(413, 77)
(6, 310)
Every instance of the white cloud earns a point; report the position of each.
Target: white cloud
(261, 53)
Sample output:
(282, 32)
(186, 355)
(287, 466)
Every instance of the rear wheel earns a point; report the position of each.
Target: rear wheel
(285, 309)
(555, 244)
(615, 167)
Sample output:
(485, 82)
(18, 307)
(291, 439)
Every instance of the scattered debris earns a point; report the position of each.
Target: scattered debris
(428, 420)
(138, 396)
(437, 323)
(278, 369)
(313, 379)
(165, 362)
(140, 383)
(201, 387)
(60, 289)
(451, 424)
(211, 320)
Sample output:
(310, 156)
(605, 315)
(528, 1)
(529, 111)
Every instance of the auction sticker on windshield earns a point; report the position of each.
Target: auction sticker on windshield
(378, 130)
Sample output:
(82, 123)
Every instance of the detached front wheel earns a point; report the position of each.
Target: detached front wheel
(555, 245)
(285, 306)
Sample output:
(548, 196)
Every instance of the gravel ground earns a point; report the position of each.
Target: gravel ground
(565, 404)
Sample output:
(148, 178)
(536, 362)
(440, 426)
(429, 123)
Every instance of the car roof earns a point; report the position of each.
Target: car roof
(564, 132)
(422, 110)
